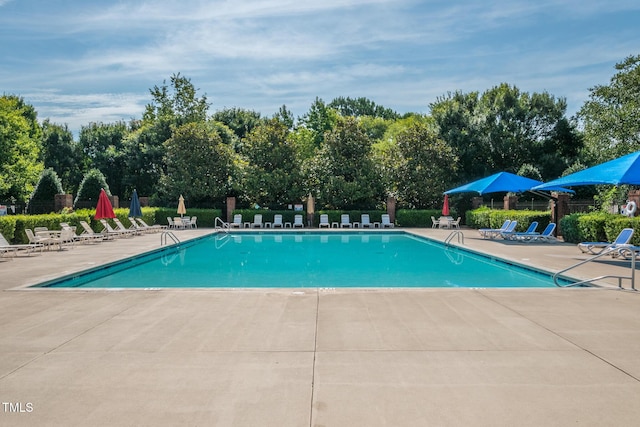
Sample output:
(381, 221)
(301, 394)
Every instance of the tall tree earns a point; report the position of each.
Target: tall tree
(343, 174)
(359, 107)
(239, 120)
(426, 166)
(273, 171)
(199, 165)
(505, 128)
(103, 144)
(20, 145)
(62, 154)
(319, 119)
(611, 116)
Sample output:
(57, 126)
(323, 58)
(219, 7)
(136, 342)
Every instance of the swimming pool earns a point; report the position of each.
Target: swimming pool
(308, 260)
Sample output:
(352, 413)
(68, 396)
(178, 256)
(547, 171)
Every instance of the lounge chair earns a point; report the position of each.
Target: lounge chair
(6, 247)
(277, 221)
(488, 233)
(531, 231)
(42, 241)
(111, 231)
(545, 236)
(237, 221)
(324, 221)
(121, 227)
(80, 237)
(154, 227)
(365, 221)
(596, 248)
(434, 222)
(508, 232)
(386, 221)
(257, 221)
(345, 221)
(297, 221)
(89, 231)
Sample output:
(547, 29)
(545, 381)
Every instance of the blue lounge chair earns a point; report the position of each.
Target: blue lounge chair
(596, 248)
(488, 233)
(511, 228)
(531, 231)
(545, 236)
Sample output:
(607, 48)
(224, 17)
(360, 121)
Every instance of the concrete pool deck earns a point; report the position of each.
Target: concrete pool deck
(317, 357)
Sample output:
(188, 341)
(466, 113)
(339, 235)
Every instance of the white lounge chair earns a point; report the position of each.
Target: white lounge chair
(111, 231)
(6, 247)
(277, 221)
(154, 227)
(80, 237)
(596, 248)
(121, 227)
(365, 221)
(297, 221)
(89, 231)
(324, 221)
(237, 221)
(257, 221)
(345, 221)
(386, 221)
(488, 233)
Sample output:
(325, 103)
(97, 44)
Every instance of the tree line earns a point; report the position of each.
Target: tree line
(348, 153)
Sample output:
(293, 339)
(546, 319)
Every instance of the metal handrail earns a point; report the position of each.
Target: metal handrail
(220, 224)
(453, 234)
(622, 251)
(165, 234)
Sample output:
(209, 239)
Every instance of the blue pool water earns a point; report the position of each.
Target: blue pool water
(309, 259)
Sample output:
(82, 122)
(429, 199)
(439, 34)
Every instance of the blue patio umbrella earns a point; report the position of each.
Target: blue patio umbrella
(134, 207)
(623, 170)
(501, 182)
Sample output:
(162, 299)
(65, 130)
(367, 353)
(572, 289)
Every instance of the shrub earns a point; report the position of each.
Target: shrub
(90, 187)
(484, 217)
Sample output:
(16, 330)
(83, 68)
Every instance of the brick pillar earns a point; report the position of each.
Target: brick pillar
(144, 202)
(476, 202)
(115, 201)
(559, 208)
(510, 202)
(62, 201)
(391, 208)
(231, 206)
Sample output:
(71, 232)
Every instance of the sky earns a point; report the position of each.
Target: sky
(83, 61)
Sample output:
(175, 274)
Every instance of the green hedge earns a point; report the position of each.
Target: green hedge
(13, 226)
(597, 227)
(418, 217)
(485, 217)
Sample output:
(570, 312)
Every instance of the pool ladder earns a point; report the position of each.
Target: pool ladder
(456, 233)
(621, 252)
(221, 225)
(166, 235)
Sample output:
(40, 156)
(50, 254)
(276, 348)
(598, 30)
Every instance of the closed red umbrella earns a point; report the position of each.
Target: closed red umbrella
(104, 208)
(445, 206)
